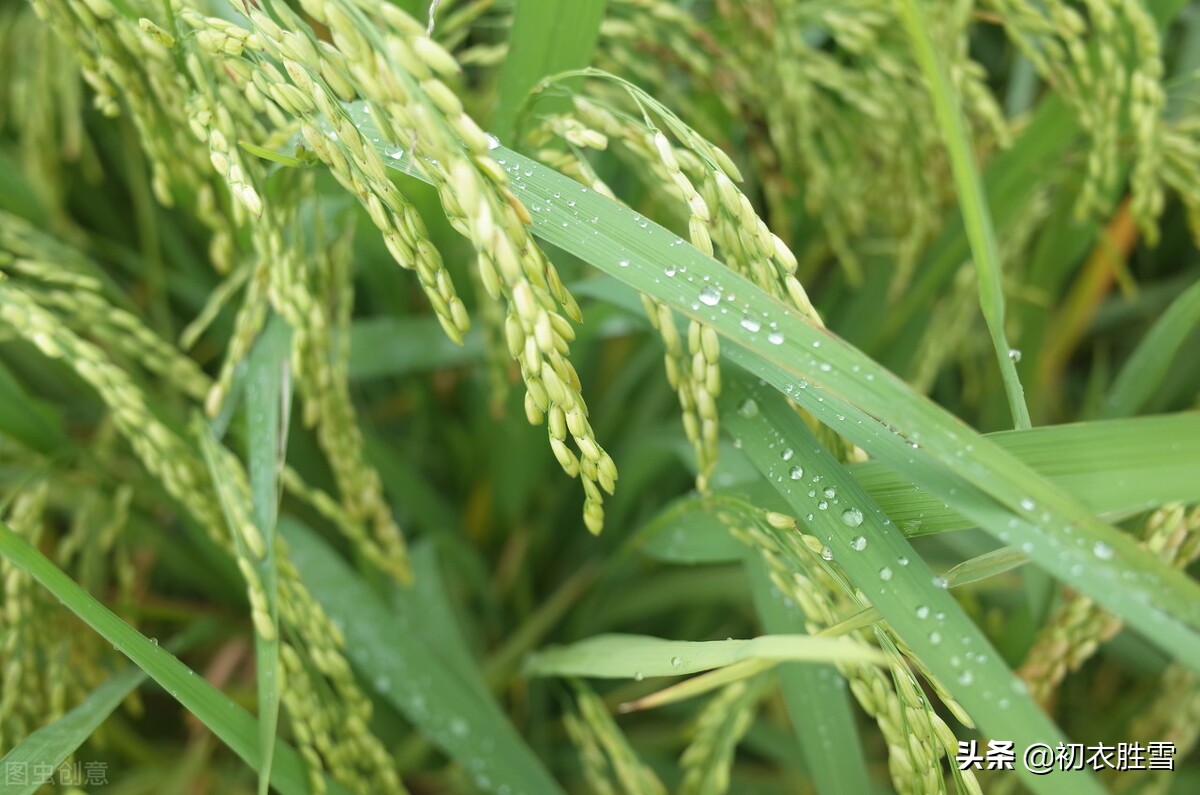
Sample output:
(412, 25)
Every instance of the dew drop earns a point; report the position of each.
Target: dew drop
(710, 296)
(750, 324)
(775, 338)
(851, 517)
(935, 638)
(748, 409)
(796, 472)
(624, 263)
(639, 676)
(859, 543)
(787, 456)
(922, 612)
(826, 553)
(676, 662)
(885, 574)
(1102, 551)
(1014, 354)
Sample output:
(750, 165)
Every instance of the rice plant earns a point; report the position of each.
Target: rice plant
(867, 330)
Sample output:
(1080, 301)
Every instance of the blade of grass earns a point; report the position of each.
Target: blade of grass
(816, 698)
(456, 714)
(882, 564)
(978, 568)
(620, 656)
(1060, 249)
(426, 603)
(394, 346)
(229, 722)
(49, 746)
(1150, 361)
(686, 533)
(972, 200)
(700, 684)
(32, 422)
(385, 346)
(1085, 293)
(268, 404)
(1041, 145)
(863, 401)
(548, 37)
(1113, 467)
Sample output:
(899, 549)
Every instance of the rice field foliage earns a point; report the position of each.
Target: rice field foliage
(865, 329)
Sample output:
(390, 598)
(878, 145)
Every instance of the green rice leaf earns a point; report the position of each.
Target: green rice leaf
(384, 346)
(268, 403)
(880, 562)
(29, 421)
(229, 722)
(700, 684)
(49, 746)
(863, 401)
(416, 677)
(618, 656)
(816, 696)
(1152, 359)
(548, 37)
(971, 197)
(687, 533)
(1116, 468)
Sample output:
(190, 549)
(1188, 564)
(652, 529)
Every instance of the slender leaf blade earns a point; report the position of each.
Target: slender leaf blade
(229, 722)
(882, 564)
(816, 696)
(972, 199)
(619, 656)
(414, 677)
(1150, 361)
(548, 37)
(863, 401)
(268, 401)
(49, 746)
